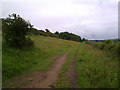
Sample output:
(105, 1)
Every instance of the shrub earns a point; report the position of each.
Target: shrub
(102, 46)
(15, 29)
(107, 41)
(88, 42)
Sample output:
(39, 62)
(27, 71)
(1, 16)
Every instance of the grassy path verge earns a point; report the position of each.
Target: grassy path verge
(18, 62)
(39, 79)
(68, 72)
(96, 68)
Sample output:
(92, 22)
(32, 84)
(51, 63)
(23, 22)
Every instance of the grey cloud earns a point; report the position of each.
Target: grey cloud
(98, 21)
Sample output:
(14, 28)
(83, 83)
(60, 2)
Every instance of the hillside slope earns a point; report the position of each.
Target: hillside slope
(95, 68)
(16, 61)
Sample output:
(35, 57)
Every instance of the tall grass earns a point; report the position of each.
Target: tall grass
(97, 68)
(109, 46)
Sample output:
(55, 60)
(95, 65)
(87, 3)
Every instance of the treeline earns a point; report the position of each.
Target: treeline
(62, 35)
(16, 31)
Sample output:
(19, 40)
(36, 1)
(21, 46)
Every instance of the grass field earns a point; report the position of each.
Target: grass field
(96, 68)
(16, 61)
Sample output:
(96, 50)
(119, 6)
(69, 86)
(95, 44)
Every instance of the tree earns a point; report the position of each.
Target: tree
(70, 36)
(56, 32)
(16, 31)
(108, 41)
(47, 30)
(84, 39)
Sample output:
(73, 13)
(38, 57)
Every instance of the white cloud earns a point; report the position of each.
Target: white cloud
(92, 20)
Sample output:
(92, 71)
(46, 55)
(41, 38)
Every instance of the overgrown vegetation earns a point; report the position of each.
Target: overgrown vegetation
(109, 46)
(15, 31)
(97, 68)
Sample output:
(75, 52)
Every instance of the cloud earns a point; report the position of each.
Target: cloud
(92, 20)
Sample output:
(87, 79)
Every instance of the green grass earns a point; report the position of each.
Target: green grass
(17, 62)
(63, 81)
(96, 67)
(113, 47)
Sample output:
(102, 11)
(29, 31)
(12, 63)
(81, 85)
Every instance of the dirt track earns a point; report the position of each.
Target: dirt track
(72, 73)
(46, 79)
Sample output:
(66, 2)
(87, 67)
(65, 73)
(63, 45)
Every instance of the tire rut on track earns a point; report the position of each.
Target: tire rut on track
(72, 73)
(45, 79)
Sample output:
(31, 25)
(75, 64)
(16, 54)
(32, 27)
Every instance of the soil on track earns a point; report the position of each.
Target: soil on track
(42, 79)
(72, 73)
(46, 79)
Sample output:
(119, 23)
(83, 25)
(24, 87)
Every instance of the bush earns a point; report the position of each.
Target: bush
(107, 41)
(102, 46)
(88, 42)
(69, 36)
(15, 30)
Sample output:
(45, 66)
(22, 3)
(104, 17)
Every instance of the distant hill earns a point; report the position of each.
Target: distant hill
(96, 40)
(104, 40)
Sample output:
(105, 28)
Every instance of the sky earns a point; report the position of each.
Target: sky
(91, 19)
